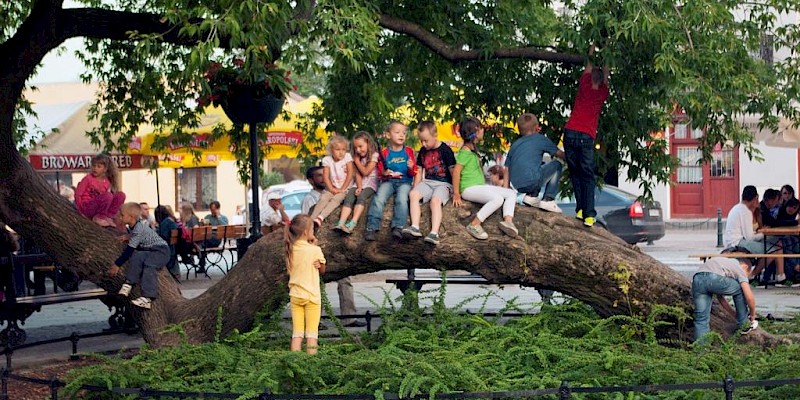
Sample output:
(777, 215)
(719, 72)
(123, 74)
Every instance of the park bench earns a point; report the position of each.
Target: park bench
(754, 256)
(703, 257)
(16, 309)
(416, 283)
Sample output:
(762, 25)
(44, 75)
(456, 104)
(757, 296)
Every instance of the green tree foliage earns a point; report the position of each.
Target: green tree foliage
(446, 60)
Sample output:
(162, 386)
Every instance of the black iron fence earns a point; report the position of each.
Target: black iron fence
(564, 392)
(728, 385)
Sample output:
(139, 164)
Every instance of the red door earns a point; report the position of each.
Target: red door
(722, 176)
(687, 191)
(701, 188)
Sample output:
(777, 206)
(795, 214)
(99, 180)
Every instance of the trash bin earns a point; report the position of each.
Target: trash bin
(241, 246)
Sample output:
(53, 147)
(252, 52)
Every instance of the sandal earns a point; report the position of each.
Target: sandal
(349, 226)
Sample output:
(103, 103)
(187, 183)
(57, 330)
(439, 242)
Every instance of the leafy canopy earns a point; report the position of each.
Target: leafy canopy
(454, 58)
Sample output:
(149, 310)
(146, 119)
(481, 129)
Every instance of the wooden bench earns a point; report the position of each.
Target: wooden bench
(767, 284)
(704, 257)
(57, 298)
(416, 283)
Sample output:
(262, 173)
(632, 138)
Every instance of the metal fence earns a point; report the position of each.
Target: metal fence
(728, 386)
(564, 392)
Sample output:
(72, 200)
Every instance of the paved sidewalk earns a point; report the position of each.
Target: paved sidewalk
(371, 291)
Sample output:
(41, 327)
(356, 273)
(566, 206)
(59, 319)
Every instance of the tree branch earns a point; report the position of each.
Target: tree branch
(454, 55)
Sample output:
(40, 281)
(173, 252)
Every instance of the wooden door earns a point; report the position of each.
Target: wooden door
(687, 193)
(722, 176)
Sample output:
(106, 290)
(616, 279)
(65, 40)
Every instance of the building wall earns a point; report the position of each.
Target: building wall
(778, 168)
(140, 185)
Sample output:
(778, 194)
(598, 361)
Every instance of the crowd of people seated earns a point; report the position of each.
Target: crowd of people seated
(744, 231)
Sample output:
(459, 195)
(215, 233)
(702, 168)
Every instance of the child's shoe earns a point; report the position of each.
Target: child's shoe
(142, 302)
(432, 238)
(125, 290)
(397, 233)
(412, 231)
(532, 201)
(339, 226)
(477, 232)
(349, 226)
(579, 215)
(588, 221)
(370, 236)
(509, 229)
(549, 205)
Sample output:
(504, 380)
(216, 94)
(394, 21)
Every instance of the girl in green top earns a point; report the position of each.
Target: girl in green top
(470, 184)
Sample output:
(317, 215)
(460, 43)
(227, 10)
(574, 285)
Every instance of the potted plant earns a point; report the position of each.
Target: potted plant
(247, 94)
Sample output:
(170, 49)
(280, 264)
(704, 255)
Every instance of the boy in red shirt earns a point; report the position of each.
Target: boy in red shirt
(579, 134)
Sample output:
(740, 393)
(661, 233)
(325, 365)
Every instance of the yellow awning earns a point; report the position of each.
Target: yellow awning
(280, 139)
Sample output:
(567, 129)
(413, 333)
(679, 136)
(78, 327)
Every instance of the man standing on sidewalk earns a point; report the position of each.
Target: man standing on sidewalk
(347, 303)
(579, 135)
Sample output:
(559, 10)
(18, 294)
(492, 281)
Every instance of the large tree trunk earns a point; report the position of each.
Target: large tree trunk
(552, 251)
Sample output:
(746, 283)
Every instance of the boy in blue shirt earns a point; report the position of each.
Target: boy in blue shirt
(524, 163)
(396, 169)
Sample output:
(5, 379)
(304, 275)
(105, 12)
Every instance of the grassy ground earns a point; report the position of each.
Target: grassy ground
(446, 351)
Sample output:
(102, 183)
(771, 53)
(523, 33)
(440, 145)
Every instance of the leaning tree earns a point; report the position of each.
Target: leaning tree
(444, 60)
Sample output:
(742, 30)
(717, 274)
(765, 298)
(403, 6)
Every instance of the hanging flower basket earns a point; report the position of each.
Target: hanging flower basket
(247, 104)
(253, 95)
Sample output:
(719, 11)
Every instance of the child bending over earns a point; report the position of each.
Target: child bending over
(146, 254)
(304, 262)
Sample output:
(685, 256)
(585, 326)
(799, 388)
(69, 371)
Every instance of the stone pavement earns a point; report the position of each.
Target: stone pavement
(371, 291)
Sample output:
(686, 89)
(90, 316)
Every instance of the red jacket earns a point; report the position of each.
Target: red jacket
(382, 162)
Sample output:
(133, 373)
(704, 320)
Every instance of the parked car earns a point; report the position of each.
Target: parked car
(622, 214)
(292, 201)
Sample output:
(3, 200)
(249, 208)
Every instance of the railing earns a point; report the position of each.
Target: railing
(564, 392)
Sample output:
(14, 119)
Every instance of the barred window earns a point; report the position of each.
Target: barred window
(722, 163)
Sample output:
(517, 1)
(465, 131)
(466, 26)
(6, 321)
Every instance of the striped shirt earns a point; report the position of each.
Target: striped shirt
(143, 237)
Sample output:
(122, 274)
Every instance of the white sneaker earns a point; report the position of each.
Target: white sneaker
(549, 205)
(531, 201)
(125, 290)
(142, 302)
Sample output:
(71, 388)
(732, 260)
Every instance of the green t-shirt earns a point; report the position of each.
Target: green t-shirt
(471, 175)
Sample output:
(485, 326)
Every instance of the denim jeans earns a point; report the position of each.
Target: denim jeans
(386, 189)
(704, 286)
(550, 175)
(579, 151)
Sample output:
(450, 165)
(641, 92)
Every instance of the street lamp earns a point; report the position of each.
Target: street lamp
(248, 104)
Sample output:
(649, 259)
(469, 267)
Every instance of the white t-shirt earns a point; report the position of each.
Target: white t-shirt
(337, 169)
(270, 216)
(739, 225)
